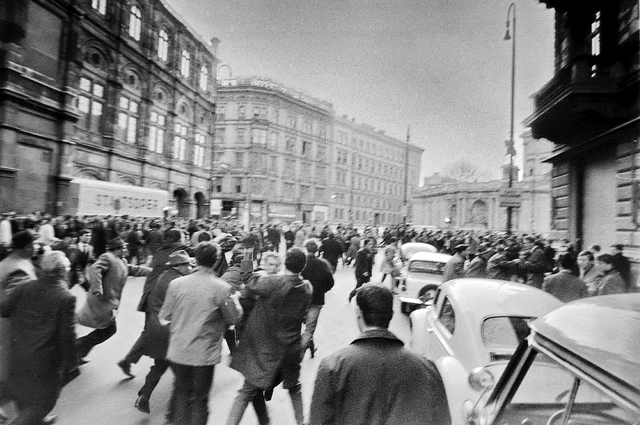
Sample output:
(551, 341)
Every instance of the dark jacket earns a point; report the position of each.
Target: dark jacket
(612, 283)
(158, 266)
(318, 273)
(42, 352)
(272, 334)
(156, 336)
(565, 286)
(364, 264)
(377, 381)
(623, 266)
(331, 250)
(535, 265)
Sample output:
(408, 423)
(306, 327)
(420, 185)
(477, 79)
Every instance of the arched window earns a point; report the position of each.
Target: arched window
(163, 45)
(135, 23)
(185, 63)
(204, 77)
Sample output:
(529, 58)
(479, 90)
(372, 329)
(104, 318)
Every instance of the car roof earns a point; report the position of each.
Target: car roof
(430, 256)
(480, 298)
(603, 330)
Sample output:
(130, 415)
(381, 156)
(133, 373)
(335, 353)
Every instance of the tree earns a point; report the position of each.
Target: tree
(464, 171)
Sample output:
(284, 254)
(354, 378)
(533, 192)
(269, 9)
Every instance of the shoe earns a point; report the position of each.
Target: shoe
(142, 404)
(126, 368)
(50, 419)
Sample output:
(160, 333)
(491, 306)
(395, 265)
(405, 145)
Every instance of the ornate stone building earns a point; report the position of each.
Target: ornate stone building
(272, 152)
(446, 203)
(119, 91)
(283, 155)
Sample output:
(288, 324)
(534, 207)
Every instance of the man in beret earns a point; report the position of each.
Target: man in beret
(107, 277)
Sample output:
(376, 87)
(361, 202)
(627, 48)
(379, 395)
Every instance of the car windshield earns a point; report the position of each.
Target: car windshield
(504, 332)
(548, 391)
(420, 266)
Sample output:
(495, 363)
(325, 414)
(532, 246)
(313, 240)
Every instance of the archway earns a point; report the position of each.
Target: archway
(181, 198)
(201, 205)
(479, 214)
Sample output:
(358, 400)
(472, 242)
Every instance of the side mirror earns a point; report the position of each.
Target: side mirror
(480, 379)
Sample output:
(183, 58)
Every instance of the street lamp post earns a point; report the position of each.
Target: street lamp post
(510, 144)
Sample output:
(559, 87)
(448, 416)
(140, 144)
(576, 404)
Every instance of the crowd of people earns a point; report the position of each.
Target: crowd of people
(212, 281)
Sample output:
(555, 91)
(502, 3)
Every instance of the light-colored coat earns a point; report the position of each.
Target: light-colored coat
(107, 276)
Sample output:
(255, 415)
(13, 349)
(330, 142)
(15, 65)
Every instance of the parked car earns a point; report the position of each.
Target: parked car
(420, 278)
(475, 323)
(410, 248)
(580, 365)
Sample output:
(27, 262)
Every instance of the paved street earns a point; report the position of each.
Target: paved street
(101, 395)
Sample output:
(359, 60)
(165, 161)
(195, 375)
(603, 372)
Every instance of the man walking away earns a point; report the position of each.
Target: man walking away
(318, 273)
(363, 266)
(376, 380)
(198, 308)
(270, 345)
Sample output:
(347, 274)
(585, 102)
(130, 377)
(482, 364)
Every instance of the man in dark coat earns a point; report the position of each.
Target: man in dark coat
(533, 262)
(271, 342)
(363, 266)
(317, 272)
(478, 266)
(172, 243)
(564, 285)
(621, 264)
(331, 250)
(376, 380)
(155, 337)
(84, 257)
(42, 333)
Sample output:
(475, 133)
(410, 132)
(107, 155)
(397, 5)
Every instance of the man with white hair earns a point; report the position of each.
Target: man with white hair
(42, 356)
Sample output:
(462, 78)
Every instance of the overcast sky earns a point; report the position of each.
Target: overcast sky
(440, 66)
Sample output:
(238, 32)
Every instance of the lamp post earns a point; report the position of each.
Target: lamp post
(510, 145)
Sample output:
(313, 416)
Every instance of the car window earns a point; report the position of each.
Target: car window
(504, 332)
(448, 316)
(421, 266)
(547, 390)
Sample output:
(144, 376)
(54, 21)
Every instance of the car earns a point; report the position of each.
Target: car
(475, 323)
(579, 365)
(420, 278)
(410, 248)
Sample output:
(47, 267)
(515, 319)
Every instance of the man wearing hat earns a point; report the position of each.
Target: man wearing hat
(454, 268)
(478, 266)
(154, 339)
(621, 263)
(107, 277)
(15, 269)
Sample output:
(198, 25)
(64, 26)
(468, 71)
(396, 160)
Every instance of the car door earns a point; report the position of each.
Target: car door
(442, 327)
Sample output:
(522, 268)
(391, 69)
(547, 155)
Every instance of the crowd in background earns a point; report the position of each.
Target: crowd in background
(100, 253)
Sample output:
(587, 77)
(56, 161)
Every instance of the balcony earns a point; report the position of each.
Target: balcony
(577, 104)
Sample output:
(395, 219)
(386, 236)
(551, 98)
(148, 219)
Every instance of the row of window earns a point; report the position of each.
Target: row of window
(259, 137)
(90, 103)
(162, 46)
(343, 214)
(262, 112)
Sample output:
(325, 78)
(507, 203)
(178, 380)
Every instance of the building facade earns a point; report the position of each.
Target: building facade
(116, 91)
(373, 175)
(283, 155)
(449, 204)
(590, 111)
(272, 153)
